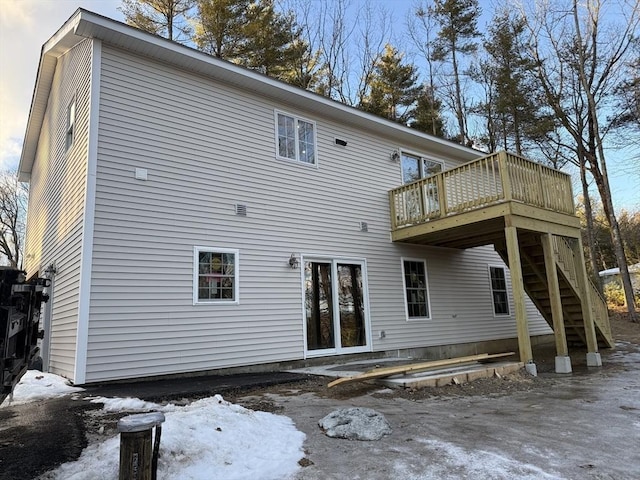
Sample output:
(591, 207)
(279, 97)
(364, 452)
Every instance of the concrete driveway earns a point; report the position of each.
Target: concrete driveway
(580, 426)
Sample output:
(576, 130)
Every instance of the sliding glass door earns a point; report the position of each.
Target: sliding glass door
(335, 307)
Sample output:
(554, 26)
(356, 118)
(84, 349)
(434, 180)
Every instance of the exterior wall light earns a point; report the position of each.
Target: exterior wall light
(395, 156)
(293, 261)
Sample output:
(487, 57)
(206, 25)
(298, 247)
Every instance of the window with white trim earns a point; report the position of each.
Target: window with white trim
(296, 138)
(499, 290)
(414, 273)
(215, 275)
(70, 125)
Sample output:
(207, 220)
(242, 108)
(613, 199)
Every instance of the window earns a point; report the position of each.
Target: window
(215, 275)
(499, 291)
(296, 139)
(71, 124)
(415, 288)
(415, 167)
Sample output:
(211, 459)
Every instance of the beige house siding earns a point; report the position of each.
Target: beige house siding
(56, 201)
(207, 146)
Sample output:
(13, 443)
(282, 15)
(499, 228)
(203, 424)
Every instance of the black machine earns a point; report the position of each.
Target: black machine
(20, 302)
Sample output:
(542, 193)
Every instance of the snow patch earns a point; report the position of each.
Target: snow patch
(36, 385)
(209, 438)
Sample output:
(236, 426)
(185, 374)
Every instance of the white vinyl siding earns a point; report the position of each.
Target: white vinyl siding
(56, 200)
(207, 147)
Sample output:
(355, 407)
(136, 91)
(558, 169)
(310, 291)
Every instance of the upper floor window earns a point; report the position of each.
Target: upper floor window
(296, 138)
(70, 125)
(415, 167)
(499, 291)
(216, 275)
(415, 289)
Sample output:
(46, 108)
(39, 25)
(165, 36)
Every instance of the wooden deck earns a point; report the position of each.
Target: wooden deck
(526, 211)
(470, 205)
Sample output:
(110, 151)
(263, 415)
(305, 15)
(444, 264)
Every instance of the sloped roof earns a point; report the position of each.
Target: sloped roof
(84, 24)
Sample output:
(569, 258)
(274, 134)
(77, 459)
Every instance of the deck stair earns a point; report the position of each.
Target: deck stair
(536, 286)
(517, 206)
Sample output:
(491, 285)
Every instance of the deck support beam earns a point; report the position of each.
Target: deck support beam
(517, 285)
(593, 356)
(563, 361)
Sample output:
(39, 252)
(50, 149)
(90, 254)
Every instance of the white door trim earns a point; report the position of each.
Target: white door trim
(338, 350)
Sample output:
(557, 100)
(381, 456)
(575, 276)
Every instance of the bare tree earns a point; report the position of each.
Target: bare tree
(344, 45)
(13, 207)
(575, 53)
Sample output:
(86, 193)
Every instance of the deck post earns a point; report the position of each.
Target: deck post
(517, 285)
(504, 175)
(392, 208)
(593, 356)
(563, 361)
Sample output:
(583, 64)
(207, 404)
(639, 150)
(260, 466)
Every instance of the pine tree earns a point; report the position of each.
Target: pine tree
(516, 104)
(160, 17)
(393, 89)
(427, 115)
(458, 29)
(272, 41)
(219, 27)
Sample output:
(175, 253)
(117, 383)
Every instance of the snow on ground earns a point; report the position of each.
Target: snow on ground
(207, 439)
(35, 385)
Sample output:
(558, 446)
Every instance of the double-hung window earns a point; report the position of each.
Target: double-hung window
(416, 290)
(296, 138)
(70, 125)
(215, 276)
(499, 290)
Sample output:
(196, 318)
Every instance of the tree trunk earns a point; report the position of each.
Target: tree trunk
(588, 213)
(458, 99)
(597, 158)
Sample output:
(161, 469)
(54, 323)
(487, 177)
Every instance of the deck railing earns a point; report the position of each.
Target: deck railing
(493, 179)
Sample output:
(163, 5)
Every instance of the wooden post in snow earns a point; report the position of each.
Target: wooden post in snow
(138, 461)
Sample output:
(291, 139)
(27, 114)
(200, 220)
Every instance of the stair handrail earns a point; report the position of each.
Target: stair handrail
(565, 258)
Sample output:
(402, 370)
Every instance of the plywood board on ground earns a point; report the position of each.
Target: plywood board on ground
(416, 367)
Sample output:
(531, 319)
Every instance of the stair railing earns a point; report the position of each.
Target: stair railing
(565, 259)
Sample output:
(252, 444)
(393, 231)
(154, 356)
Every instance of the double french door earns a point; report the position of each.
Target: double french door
(335, 307)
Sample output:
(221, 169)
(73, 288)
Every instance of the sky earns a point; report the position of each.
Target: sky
(25, 25)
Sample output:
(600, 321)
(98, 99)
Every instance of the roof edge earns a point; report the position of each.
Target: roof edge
(49, 54)
(85, 24)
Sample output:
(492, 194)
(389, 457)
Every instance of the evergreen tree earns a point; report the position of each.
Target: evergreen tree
(254, 34)
(458, 29)
(393, 89)
(272, 41)
(516, 103)
(427, 115)
(219, 27)
(160, 17)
